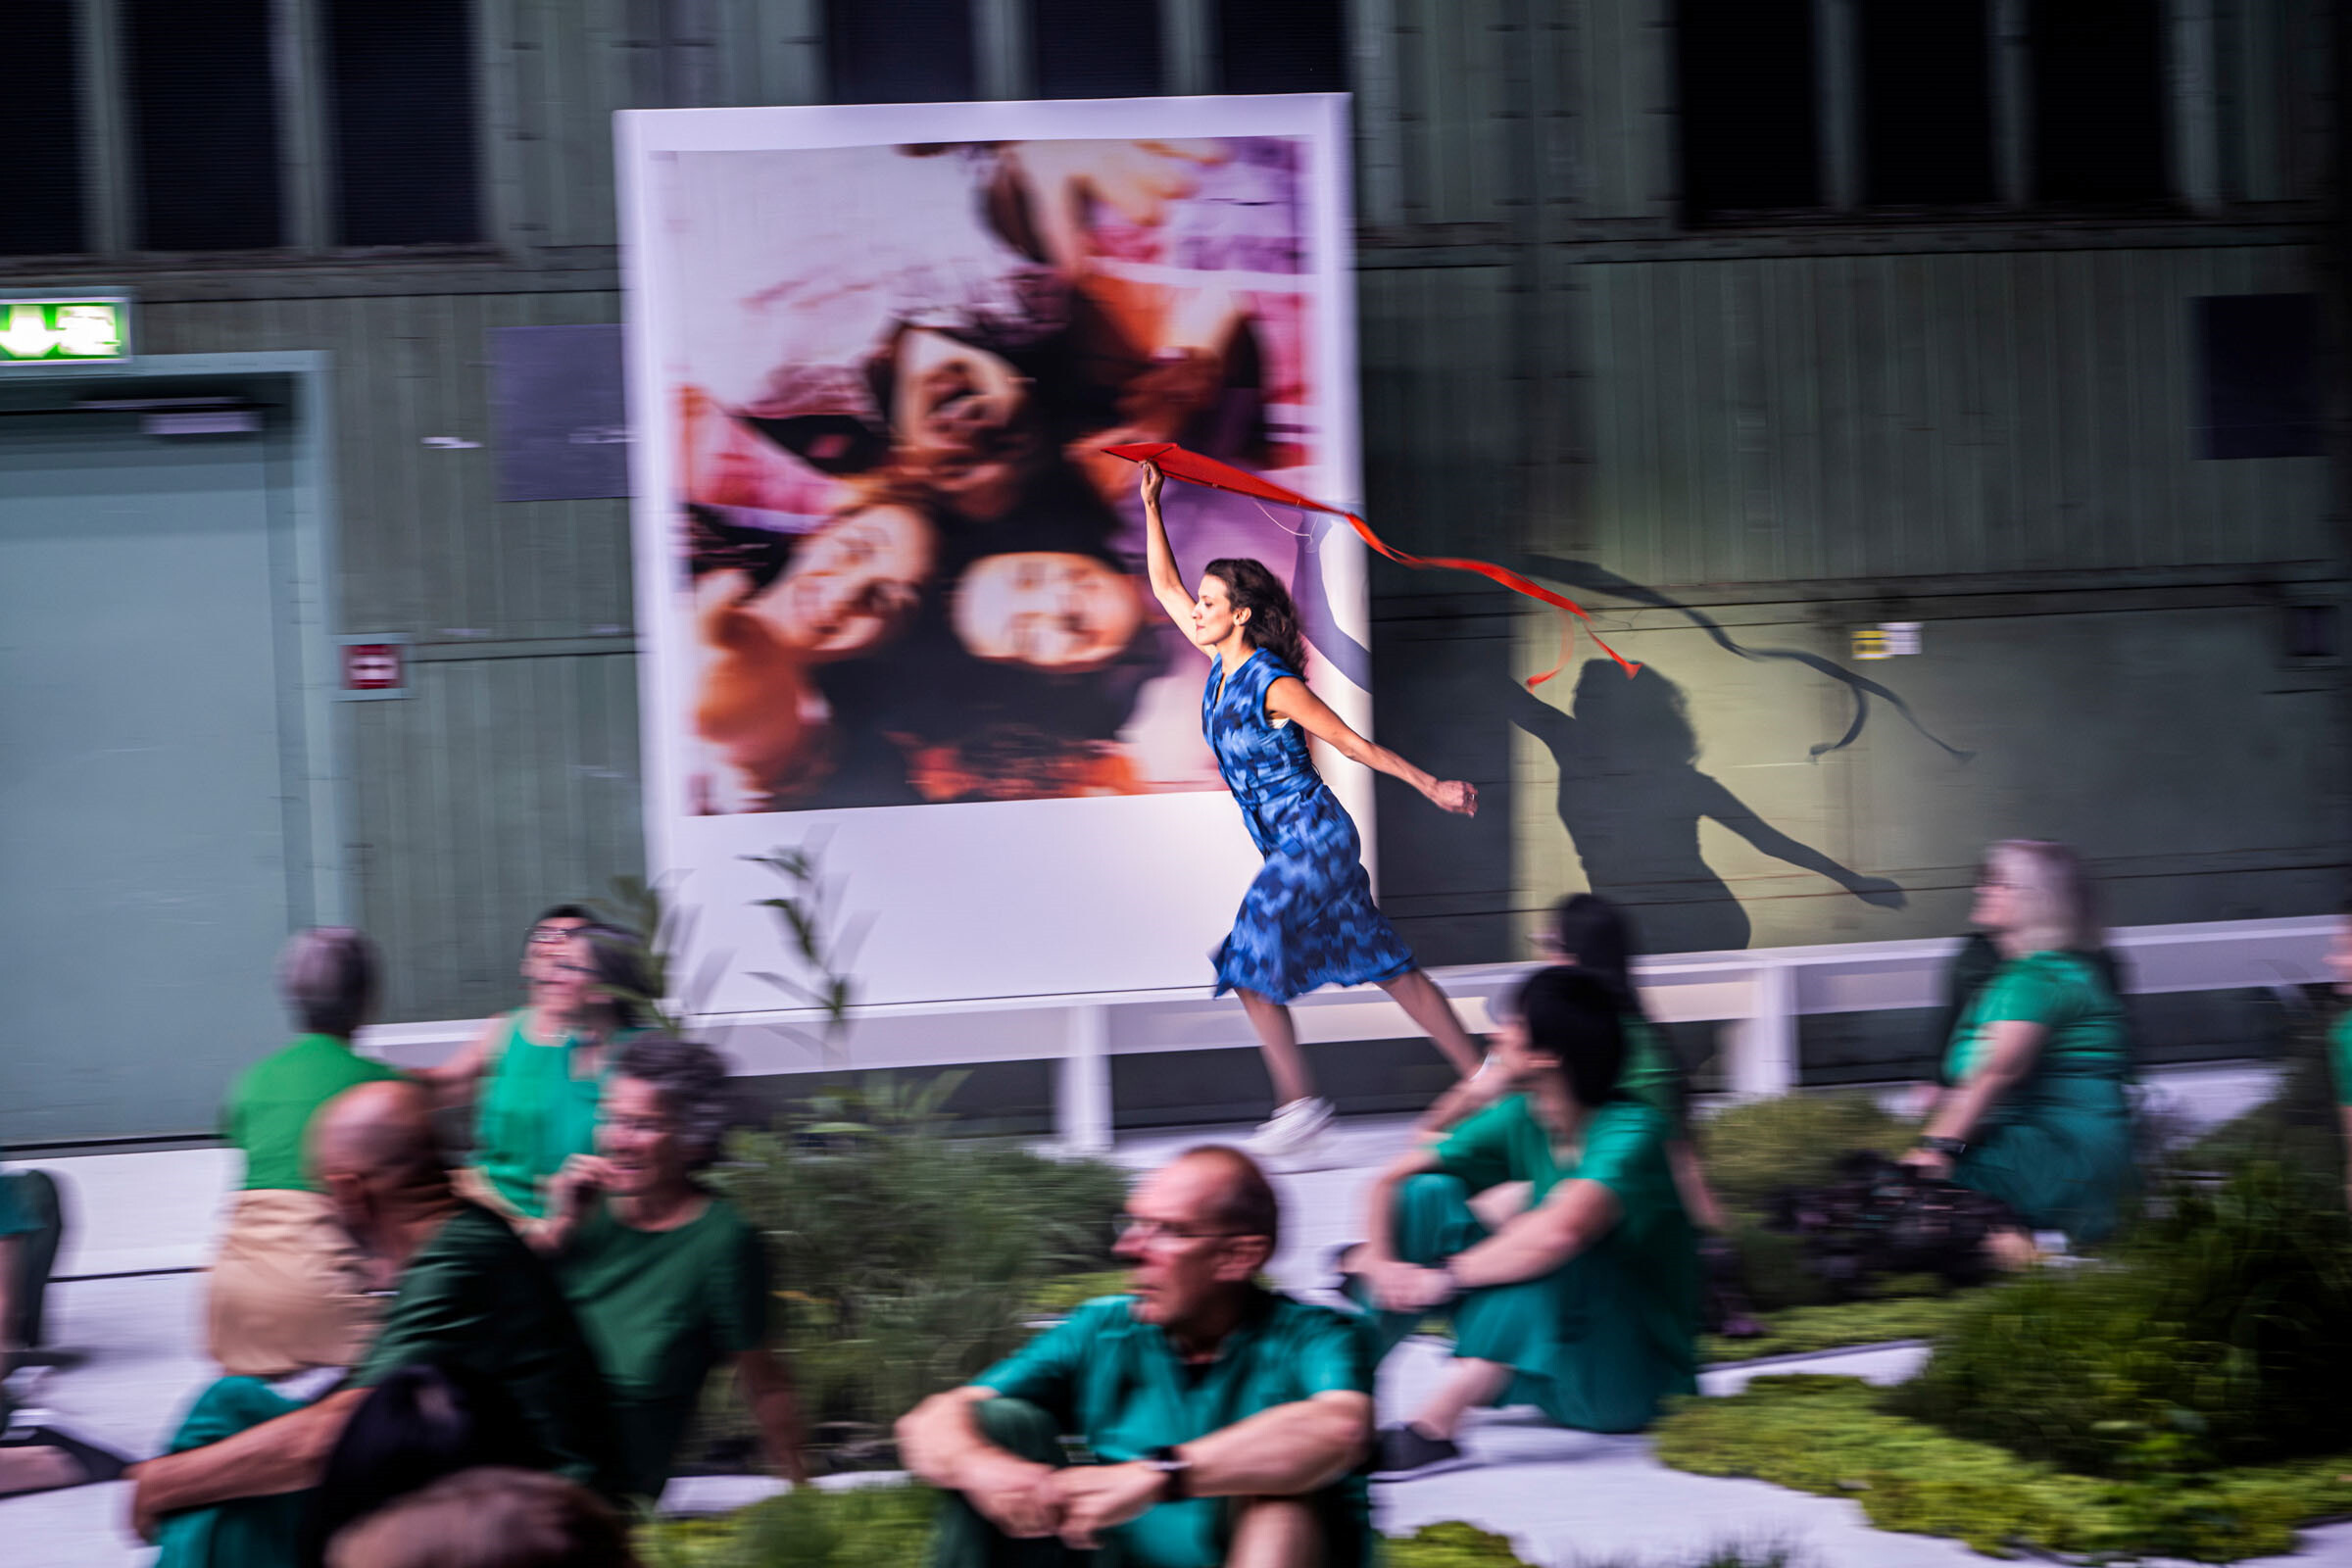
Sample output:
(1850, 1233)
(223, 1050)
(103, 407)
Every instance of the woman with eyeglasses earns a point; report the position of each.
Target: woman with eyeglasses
(535, 1074)
(2033, 1108)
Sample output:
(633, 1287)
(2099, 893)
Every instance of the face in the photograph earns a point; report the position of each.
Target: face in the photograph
(852, 584)
(1051, 609)
(960, 416)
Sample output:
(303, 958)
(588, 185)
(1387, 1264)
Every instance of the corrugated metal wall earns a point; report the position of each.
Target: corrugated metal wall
(1550, 365)
(1803, 419)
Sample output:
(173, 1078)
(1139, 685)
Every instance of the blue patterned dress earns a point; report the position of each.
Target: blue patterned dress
(1308, 919)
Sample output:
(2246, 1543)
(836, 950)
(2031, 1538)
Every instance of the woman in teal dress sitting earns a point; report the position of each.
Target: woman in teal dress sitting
(1585, 1303)
(2034, 1108)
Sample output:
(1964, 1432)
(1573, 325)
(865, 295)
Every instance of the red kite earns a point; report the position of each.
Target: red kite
(1193, 469)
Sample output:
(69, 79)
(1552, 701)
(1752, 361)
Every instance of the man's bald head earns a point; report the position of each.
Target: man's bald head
(1242, 1199)
(380, 1134)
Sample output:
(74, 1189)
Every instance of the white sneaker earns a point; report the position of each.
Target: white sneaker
(1295, 1132)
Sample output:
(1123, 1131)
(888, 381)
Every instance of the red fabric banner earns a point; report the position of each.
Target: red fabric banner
(1192, 469)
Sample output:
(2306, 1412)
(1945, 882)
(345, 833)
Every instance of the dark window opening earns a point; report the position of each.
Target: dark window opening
(204, 107)
(2098, 101)
(40, 125)
(1927, 103)
(899, 51)
(2257, 361)
(402, 75)
(1096, 48)
(1750, 141)
(1283, 46)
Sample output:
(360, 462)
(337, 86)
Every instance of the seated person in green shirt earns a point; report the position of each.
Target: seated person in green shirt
(535, 1075)
(31, 1224)
(666, 1277)
(1225, 1423)
(471, 1299)
(2033, 1110)
(1585, 1304)
(287, 1289)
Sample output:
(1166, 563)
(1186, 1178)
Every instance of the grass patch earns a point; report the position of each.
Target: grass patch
(890, 1527)
(1802, 1330)
(1833, 1437)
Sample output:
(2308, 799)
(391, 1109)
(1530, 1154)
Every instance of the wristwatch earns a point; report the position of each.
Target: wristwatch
(1173, 1468)
(1948, 1147)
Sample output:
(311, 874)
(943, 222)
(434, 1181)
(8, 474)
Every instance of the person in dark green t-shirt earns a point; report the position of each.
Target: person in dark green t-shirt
(2035, 1110)
(1585, 1303)
(285, 1290)
(1225, 1422)
(668, 1278)
(469, 1298)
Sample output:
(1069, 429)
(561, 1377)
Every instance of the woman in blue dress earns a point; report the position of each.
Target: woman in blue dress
(1308, 919)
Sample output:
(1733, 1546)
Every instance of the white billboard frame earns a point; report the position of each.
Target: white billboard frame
(1068, 900)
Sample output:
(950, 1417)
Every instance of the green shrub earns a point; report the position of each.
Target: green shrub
(1755, 1149)
(2299, 1126)
(2214, 1334)
(905, 1260)
(1833, 1437)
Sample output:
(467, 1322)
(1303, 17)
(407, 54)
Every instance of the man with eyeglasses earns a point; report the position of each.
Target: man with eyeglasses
(1226, 1423)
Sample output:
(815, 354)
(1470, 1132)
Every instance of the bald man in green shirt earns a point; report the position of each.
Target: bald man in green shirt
(1226, 1422)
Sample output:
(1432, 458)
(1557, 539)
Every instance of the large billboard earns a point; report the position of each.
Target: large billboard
(891, 589)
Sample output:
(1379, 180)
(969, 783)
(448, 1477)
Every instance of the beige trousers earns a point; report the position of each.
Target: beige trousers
(287, 1289)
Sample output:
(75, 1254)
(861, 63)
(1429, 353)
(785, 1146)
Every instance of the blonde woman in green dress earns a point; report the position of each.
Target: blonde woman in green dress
(2034, 1108)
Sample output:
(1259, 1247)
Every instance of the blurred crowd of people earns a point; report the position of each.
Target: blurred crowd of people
(424, 1357)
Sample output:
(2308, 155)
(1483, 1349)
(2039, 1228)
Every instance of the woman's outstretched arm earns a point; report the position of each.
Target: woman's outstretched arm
(1167, 583)
(1290, 698)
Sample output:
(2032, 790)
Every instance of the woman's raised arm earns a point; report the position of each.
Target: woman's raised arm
(1167, 583)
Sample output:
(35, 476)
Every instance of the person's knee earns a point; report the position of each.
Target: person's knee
(1276, 1532)
(1019, 1427)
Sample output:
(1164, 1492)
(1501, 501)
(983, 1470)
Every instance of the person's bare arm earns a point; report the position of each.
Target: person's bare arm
(767, 1384)
(1468, 1096)
(278, 1456)
(940, 1441)
(1159, 556)
(1577, 1215)
(2012, 1045)
(1291, 698)
(1287, 1451)
(1376, 1257)
(451, 1081)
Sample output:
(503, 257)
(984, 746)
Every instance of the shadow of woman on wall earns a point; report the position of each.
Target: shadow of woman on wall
(1632, 797)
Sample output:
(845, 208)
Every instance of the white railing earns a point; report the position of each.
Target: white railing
(1762, 991)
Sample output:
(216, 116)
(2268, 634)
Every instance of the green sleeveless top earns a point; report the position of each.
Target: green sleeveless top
(1652, 1072)
(533, 1113)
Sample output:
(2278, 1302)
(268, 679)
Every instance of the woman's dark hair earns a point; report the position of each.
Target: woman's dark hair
(1273, 618)
(328, 974)
(1598, 937)
(421, 1423)
(622, 972)
(692, 1081)
(1574, 1016)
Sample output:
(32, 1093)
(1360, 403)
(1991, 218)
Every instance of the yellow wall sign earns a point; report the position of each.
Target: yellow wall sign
(64, 332)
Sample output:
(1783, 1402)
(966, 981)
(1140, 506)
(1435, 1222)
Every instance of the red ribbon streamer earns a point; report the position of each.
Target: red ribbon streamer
(1193, 469)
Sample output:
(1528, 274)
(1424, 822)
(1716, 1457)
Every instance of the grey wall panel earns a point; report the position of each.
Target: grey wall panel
(501, 785)
(1908, 417)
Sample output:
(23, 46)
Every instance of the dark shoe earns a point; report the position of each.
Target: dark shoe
(1407, 1450)
(97, 1464)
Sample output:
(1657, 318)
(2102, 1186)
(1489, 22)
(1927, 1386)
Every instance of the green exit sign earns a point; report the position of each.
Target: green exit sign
(54, 330)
